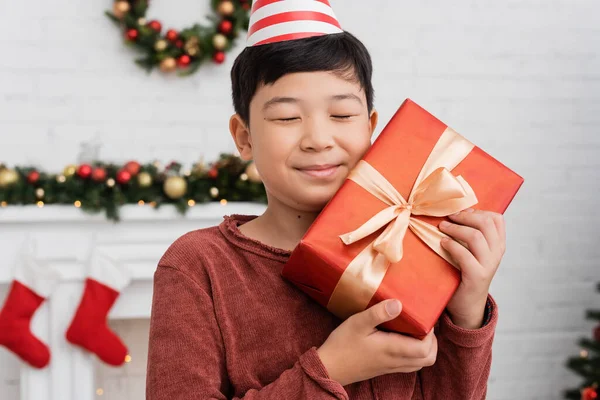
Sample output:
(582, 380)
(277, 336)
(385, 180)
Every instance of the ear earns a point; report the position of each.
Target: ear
(241, 136)
(373, 119)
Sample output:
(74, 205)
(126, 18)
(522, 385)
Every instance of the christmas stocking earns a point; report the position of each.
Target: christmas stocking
(31, 285)
(89, 329)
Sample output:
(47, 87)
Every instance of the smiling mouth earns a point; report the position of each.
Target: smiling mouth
(320, 171)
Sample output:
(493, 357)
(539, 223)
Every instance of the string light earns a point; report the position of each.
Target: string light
(39, 193)
(244, 177)
(110, 182)
(141, 203)
(61, 179)
(40, 204)
(584, 353)
(99, 391)
(3, 204)
(223, 202)
(127, 358)
(77, 203)
(214, 192)
(153, 203)
(191, 203)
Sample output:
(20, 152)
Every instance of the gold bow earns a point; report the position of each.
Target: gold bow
(436, 193)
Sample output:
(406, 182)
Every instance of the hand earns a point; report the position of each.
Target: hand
(357, 351)
(482, 238)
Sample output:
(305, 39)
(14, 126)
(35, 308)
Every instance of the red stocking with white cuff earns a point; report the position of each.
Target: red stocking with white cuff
(89, 328)
(31, 285)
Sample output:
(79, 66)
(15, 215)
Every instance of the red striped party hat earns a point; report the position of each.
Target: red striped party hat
(274, 21)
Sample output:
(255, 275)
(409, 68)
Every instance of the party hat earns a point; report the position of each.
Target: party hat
(274, 21)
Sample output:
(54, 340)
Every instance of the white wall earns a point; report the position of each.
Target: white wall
(520, 78)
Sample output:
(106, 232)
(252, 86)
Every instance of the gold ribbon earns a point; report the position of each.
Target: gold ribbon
(436, 193)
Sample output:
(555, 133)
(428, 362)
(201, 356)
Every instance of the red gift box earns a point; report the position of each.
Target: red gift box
(377, 238)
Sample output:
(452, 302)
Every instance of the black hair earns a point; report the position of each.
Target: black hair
(340, 53)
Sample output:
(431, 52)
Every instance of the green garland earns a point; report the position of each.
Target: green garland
(186, 49)
(105, 187)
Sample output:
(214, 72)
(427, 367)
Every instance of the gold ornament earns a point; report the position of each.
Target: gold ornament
(168, 64)
(192, 46)
(220, 41)
(160, 45)
(252, 173)
(175, 187)
(69, 170)
(144, 179)
(120, 8)
(214, 192)
(8, 177)
(226, 8)
(39, 193)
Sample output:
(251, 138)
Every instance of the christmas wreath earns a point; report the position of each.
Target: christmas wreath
(98, 186)
(188, 48)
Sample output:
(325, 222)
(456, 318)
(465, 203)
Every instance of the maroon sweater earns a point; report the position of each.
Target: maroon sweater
(225, 325)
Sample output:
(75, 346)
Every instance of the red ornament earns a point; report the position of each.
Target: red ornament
(84, 171)
(123, 177)
(184, 61)
(33, 177)
(132, 34)
(597, 333)
(219, 57)
(99, 174)
(213, 173)
(179, 43)
(133, 167)
(225, 27)
(172, 35)
(589, 394)
(155, 26)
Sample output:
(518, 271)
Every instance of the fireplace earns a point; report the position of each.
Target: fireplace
(64, 238)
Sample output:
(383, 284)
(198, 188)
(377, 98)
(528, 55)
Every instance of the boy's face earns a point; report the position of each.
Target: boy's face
(307, 131)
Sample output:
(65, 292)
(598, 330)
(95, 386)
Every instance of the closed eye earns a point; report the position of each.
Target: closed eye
(342, 116)
(287, 119)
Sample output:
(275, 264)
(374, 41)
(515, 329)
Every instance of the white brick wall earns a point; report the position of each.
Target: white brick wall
(520, 78)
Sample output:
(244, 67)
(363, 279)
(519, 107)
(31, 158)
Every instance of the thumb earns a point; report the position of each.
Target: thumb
(379, 313)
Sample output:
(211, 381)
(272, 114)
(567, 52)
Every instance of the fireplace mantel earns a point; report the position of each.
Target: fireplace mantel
(64, 237)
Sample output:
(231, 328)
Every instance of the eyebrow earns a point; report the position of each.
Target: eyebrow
(346, 96)
(280, 100)
(293, 100)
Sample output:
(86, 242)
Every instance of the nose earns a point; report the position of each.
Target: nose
(316, 137)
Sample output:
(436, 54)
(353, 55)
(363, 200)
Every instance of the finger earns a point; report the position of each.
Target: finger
(376, 315)
(480, 220)
(501, 228)
(473, 238)
(416, 363)
(466, 261)
(401, 346)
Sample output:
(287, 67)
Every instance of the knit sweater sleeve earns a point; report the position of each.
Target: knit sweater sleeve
(463, 363)
(186, 357)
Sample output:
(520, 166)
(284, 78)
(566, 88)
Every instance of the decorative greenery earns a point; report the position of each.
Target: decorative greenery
(186, 49)
(587, 364)
(105, 187)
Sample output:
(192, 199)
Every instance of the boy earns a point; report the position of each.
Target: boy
(226, 325)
